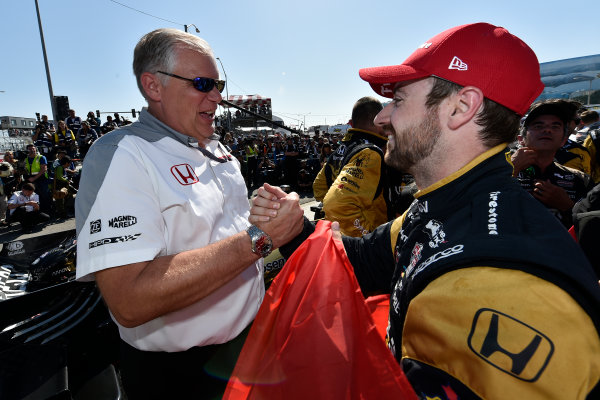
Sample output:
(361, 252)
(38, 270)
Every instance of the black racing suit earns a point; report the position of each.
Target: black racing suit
(490, 296)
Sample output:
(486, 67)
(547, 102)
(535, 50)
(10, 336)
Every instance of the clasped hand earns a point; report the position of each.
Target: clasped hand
(277, 213)
(273, 210)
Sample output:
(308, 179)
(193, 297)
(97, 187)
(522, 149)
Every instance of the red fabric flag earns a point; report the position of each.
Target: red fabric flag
(314, 338)
(379, 307)
(573, 233)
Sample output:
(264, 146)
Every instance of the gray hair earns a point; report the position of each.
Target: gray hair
(157, 51)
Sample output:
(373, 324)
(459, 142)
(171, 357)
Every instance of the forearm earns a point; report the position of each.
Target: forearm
(138, 293)
(35, 177)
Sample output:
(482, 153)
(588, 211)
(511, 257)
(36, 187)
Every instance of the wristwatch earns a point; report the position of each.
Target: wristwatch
(261, 242)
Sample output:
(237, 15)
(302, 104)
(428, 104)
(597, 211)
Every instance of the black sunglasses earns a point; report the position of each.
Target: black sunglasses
(202, 84)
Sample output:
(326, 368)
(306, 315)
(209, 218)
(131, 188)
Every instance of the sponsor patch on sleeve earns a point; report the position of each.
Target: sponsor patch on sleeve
(111, 240)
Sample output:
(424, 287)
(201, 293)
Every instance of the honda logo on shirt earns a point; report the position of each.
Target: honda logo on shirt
(510, 345)
(184, 173)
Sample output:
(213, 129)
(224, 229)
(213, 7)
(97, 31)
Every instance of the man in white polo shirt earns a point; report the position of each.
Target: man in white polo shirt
(162, 226)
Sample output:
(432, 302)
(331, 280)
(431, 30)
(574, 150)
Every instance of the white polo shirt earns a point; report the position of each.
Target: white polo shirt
(147, 191)
(20, 198)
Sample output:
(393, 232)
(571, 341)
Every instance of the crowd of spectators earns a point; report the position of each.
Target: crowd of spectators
(265, 156)
(49, 164)
(292, 160)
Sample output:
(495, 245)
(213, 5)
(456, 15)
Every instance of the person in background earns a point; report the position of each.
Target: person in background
(290, 162)
(573, 154)
(109, 125)
(36, 172)
(43, 138)
(73, 122)
(325, 153)
(62, 181)
(93, 120)
(251, 153)
(24, 207)
(590, 119)
(64, 139)
(6, 170)
(592, 141)
(354, 185)
(85, 137)
(544, 132)
(12, 181)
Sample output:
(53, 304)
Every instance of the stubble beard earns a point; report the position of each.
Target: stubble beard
(413, 144)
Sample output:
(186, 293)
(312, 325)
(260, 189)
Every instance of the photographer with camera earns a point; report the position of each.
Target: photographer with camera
(42, 137)
(86, 135)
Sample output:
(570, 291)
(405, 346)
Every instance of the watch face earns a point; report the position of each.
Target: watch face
(263, 245)
(261, 242)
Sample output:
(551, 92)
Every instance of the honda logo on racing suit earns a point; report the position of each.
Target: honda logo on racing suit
(493, 332)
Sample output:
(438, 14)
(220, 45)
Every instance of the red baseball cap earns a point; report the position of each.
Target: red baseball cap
(481, 55)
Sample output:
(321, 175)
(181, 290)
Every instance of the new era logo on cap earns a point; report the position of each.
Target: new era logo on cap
(458, 64)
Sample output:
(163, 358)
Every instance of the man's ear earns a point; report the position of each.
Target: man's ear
(521, 139)
(464, 106)
(152, 86)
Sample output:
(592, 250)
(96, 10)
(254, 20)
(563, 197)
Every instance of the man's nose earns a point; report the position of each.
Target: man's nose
(383, 117)
(215, 95)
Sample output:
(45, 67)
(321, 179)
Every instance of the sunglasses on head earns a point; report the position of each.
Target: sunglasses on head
(202, 84)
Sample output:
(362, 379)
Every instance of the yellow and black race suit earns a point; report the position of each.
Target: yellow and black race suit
(576, 156)
(356, 187)
(490, 296)
(591, 144)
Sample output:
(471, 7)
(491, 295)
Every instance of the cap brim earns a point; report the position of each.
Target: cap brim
(560, 110)
(381, 79)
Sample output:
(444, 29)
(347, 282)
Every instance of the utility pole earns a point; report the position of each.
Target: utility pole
(185, 27)
(226, 94)
(37, 8)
